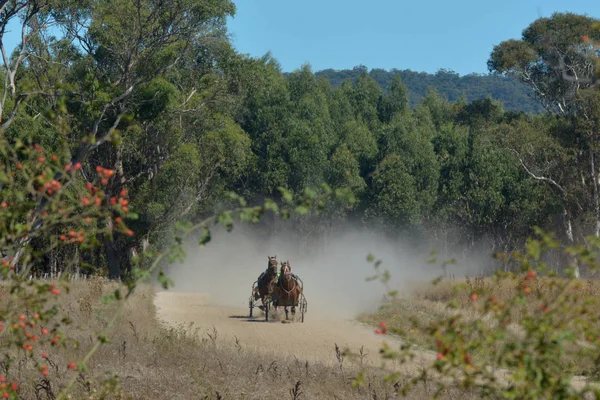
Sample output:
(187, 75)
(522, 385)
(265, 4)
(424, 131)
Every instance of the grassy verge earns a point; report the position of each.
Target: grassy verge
(410, 315)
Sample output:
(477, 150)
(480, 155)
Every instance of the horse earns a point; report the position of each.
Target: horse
(265, 281)
(289, 290)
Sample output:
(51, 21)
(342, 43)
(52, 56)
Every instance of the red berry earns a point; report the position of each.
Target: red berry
(531, 274)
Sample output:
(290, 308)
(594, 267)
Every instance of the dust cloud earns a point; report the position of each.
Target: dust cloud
(334, 276)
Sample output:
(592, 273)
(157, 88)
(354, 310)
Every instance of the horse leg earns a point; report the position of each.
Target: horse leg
(286, 313)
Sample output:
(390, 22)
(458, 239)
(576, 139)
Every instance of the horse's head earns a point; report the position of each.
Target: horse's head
(286, 269)
(272, 265)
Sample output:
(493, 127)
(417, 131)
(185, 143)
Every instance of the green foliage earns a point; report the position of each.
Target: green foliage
(164, 101)
(513, 94)
(397, 202)
(552, 59)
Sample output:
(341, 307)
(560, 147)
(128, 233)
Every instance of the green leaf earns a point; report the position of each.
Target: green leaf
(205, 238)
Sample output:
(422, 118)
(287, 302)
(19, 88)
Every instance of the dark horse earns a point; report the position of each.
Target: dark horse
(265, 281)
(289, 289)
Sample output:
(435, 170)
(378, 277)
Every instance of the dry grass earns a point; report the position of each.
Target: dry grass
(428, 303)
(153, 362)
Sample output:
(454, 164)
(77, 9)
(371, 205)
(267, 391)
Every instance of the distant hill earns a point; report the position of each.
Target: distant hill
(513, 94)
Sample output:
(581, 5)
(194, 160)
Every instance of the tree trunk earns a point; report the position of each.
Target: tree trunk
(112, 258)
(77, 263)
(54, 266)
(569, 233)
(594, 176)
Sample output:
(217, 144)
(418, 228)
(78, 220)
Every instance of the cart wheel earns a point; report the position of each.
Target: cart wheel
(251, 305)
(267, 311)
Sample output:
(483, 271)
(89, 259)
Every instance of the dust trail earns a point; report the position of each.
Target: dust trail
(334, 279)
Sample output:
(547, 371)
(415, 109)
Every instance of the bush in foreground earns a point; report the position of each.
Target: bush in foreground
(528, 335)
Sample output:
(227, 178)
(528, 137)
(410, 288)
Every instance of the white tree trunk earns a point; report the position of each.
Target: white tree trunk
(569, 232)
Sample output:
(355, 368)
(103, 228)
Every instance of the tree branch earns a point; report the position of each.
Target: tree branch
(539, 178)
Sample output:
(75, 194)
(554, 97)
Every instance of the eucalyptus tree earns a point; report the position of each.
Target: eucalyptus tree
(555, 58)
(119, 61)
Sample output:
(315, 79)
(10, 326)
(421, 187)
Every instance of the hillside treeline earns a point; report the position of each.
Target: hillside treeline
(157, 95)
(511, 92)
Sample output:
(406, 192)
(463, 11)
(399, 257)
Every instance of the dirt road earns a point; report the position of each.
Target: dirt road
(313, 340)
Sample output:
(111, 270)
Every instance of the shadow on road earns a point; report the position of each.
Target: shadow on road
(252, 319)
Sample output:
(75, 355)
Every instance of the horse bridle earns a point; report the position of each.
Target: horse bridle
(292, 289)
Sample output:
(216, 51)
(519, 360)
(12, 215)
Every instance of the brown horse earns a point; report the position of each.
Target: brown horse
(265, 281)
(289, 290)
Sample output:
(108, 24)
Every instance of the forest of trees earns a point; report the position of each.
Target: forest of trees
(158, 95)
(511, 92)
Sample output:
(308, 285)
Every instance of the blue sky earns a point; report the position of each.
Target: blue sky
(419, 35)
